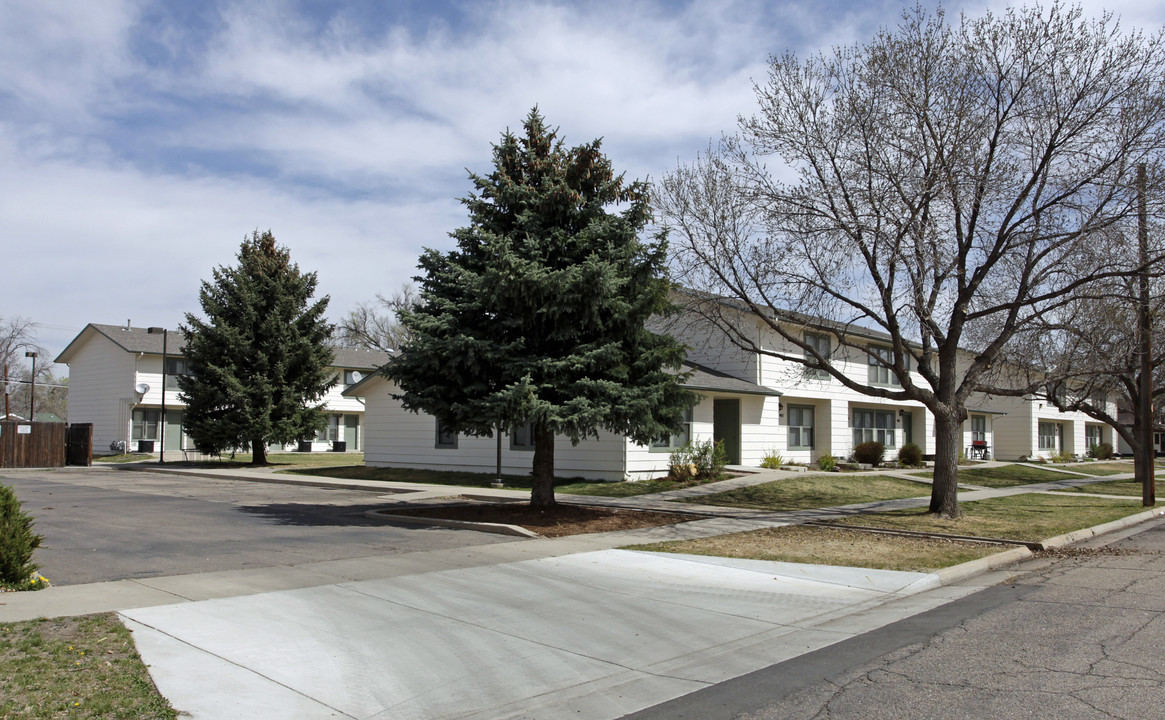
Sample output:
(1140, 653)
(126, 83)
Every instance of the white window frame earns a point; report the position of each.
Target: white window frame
(1049, 436)
(798, 430)
(141, 427)
(979, 435)
(881, 360)
(876, 426)
(1093, 435)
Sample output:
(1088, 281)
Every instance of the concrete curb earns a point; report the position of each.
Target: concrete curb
(955, 573)
(496, 528)
(1078, 535)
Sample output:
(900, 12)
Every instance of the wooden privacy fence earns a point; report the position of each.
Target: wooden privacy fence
(32, 444)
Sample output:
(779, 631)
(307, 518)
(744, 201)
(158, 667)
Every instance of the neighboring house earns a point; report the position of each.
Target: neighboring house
(1032, 427)
(732, 410)
(756, 404)
(115, 383)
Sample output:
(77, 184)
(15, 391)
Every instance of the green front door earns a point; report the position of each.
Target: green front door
(173, 429)
(352, 432)
(726, 426)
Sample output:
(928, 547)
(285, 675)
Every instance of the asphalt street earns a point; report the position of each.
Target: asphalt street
(1075, 637)
(117, 525)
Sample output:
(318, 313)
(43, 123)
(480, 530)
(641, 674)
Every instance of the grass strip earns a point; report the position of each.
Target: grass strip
(816, 491)
(832, 546)
(1004, 475)
(1029, 516)
(1101, 469)
(81, 667)
(1130, 488)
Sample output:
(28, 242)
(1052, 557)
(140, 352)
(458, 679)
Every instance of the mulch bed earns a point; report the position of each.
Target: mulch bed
(559, 521)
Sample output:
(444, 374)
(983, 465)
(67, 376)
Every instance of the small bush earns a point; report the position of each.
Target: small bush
(1103, 451)
(17, 541)
(772, 460)
(910, 455)
(1063, 457)
(828, 463)
(870, 453)
(702, 460)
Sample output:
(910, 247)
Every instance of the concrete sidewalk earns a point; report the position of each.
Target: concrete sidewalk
(589, 636)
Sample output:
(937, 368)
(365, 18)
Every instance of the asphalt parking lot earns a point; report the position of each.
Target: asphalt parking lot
(104, 524)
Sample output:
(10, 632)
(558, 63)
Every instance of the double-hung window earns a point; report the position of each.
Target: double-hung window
(979, 428)
(1092, 436)
(1049, 435)
(145, 424)
(880, 360)
(680, 439)
(874, 426)
(820, 343)
(800, 427)
(175, 366)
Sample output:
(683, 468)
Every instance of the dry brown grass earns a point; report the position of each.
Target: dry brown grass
(833, 546)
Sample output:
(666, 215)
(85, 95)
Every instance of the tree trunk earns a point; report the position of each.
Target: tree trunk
(258, 452)
(542, 492)
(944, 493)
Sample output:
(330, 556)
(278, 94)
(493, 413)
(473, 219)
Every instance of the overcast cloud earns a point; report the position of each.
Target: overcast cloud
(140, 141)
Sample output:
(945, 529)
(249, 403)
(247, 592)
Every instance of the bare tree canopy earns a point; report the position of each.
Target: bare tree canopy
(944, 183)
(375, 325)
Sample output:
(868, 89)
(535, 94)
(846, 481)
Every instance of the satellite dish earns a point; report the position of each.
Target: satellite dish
(357, 376)
(141, 388)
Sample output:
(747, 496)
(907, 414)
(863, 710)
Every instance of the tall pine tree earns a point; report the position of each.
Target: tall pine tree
(259, 363)
(539, 314)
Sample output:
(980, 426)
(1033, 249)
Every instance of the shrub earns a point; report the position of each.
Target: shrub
(1103, 451)
(910, 454)
(869, 453)
(701, 460)
(827, 463)
(772, 460)
(1063, 457)
(17, 541)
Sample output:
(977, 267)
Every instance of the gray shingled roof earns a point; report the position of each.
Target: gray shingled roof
(705, 378)
(139, 340)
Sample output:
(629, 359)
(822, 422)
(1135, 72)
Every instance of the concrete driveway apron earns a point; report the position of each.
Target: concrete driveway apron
(592, 635)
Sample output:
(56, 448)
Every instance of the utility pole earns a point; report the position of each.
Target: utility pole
(32, 388)
(1145, 408)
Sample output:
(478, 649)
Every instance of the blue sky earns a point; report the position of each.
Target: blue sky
(140, 141)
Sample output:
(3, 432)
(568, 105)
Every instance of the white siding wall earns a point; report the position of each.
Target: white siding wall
(395, 437)
(101, 382)
(1017, 433)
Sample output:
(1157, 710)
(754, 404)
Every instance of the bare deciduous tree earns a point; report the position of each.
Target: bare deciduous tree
(374, 326)
(944, 184)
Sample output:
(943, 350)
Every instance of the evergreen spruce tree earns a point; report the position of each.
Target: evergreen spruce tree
(539, 315)
(259, 363)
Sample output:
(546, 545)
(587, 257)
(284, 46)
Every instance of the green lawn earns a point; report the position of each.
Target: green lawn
(1029, 517)
(1005, 475)
(816, 491)
(1130, 487)
(82, 667)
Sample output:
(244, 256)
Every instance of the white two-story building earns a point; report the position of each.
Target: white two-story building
(115, 383)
